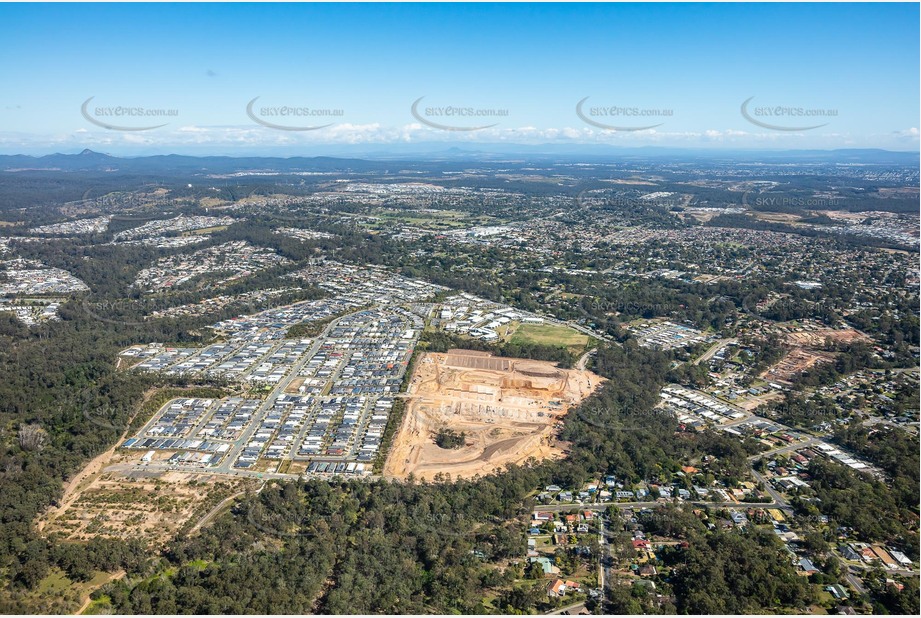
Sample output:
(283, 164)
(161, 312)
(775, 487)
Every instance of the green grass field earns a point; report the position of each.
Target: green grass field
(547, 334)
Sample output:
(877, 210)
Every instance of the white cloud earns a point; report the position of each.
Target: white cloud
(252, 137)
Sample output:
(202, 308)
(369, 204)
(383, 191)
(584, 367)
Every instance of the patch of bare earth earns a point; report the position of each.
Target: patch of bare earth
(507, 408)
(806, 351)
(794, 363)
(146, 506)
(102, 500)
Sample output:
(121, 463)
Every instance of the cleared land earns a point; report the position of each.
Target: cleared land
(152, 507)
(794, 363)
(819, 337)
(806, 352)
(776, 217)
(507, 409)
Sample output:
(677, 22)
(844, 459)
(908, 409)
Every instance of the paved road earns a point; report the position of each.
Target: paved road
(781, 503)
(598, 506)
(728, 404)
(605, 562)
(855, 582)
(226, 464)
(583, 360)
(866, 567)
(217, 509)
(795, 446)
(586, 331)
(574, 606)
(713, 350)
(154, 469)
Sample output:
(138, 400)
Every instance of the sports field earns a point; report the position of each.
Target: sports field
(548, 334)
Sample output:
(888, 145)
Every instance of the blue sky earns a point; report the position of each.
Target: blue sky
(685, 67)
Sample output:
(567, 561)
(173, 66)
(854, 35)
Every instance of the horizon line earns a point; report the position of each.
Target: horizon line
(528, 150)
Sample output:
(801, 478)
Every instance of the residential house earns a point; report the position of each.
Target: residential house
(884, 557)
(848, 552)
(559, 587)
(900, 558)
(546, 564)
(806, 566)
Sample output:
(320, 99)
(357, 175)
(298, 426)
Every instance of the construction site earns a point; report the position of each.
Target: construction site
(820, 337)
(793, 363)
(112, 498)
(807, 351)
(507, 409)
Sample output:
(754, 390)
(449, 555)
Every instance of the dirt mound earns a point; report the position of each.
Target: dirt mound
(507, 408)
(539, 370)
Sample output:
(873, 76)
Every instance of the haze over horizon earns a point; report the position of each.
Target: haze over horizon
(485, 152)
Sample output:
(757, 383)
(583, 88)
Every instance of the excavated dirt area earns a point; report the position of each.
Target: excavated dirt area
(806, 352)
(507, 408)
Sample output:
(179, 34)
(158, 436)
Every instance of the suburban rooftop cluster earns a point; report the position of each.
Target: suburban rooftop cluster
(229, 261)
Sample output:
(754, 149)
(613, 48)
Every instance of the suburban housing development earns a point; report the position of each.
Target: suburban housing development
(491, 309)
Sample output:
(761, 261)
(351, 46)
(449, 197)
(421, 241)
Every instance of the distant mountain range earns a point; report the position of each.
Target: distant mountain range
(89, 160)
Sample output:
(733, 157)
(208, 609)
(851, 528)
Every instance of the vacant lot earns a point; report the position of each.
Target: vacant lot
(506, 408)
(794, 363)
(817, 338)
(807, 351)
(776, 217)
(547, 334)
(145, 505)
